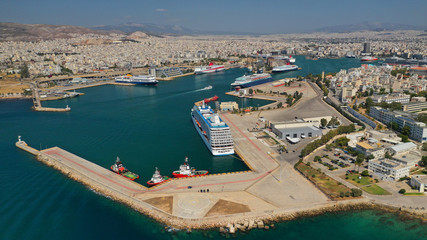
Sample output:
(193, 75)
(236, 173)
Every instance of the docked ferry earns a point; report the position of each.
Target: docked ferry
(285, 68)
(252, 80)
(186, 171)
(215, 133)
(139, 79)
(209, 69)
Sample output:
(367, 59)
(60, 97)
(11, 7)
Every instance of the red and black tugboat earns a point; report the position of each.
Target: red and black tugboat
(118, 168)
(186, 171)
(157, 178)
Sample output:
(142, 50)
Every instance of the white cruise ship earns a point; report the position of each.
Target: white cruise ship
(215, 133)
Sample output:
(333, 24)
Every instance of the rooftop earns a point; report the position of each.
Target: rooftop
(402, 147)
(365, 145)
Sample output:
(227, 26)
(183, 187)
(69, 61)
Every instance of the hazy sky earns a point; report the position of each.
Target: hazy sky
(262, 16)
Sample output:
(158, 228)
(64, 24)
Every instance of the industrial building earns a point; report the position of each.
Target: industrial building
(297, 132)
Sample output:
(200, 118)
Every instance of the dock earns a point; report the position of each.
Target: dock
(37, 105)
(206, 201)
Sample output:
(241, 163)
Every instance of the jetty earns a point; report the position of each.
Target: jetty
(37, 105)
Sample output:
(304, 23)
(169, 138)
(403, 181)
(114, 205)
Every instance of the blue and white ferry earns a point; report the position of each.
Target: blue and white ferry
(252, 80)
(215, 133)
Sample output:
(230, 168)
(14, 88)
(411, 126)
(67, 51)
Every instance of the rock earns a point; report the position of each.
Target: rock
(272, 226)
(266, 227)
(246, 224)
(251, 223)
(260, 224)
(232, 230)
(221, 229)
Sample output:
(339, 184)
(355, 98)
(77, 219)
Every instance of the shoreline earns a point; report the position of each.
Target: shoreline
(210, 223)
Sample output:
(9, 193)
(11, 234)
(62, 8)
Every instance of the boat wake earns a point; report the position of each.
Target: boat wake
(205, 88)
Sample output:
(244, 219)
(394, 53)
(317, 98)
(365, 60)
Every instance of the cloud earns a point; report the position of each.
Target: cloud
(161, 10)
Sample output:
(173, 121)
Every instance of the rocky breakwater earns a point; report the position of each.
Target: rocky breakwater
(245, 226)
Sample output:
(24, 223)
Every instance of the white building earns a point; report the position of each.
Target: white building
(420, 182)
(388, 168)
(402, 148)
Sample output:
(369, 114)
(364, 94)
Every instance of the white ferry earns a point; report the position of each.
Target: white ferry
(215, 133)
(139, 80)
(209, 69)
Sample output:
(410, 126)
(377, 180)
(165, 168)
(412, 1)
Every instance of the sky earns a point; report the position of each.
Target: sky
(262, 16)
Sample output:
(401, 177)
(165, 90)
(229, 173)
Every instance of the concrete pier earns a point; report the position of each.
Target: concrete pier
(201, 202)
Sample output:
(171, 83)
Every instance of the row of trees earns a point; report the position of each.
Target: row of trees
(309, 148)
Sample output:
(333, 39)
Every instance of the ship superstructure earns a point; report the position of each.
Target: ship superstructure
(209, 69)
(215, 133)
(252, 80)
(285, 68)
(139, 79)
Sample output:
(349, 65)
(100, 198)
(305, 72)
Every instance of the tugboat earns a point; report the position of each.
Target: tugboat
(118, 168)
(186, 171)
(157, 178)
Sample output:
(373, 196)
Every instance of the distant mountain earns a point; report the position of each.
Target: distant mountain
(150, 28)
(157, 29)
(368, 26)
(35, 32)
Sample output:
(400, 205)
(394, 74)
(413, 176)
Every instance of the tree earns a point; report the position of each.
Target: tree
(316, 158)
(402, 191)
(251, 91)
(323, 122)
(404, 138)
(369, 102)
(355, 192)
(365, 173)
(393, 125)
(342, 142)
(24, 71)
(424, 161)
(388, 155)
(359, 160)
(406, 130)
(280, 105)
(289, 100)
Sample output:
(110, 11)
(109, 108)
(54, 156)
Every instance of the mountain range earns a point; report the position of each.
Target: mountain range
(368, 26)
(35, 32)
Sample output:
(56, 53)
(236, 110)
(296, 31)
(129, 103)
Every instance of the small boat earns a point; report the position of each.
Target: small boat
(118, 168)
(207, 88)
(186, 171)
(157, 178)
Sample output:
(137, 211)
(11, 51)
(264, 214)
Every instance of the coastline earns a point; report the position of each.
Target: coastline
(239, 219)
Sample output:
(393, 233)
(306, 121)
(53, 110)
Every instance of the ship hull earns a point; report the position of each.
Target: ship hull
(212, 70)
(197, 174)
(139, 83)
(285, 70)
(150, 183)
(254, 83)
(131, 176)
(208, 145)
